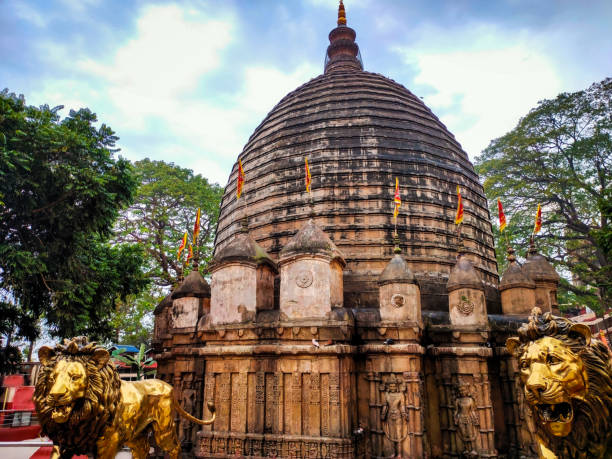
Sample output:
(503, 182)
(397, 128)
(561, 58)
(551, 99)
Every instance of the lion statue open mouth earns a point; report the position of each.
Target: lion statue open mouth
(567, 382)
(85, 408)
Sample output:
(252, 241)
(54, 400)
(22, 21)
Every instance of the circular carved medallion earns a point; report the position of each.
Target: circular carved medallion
(303, 279)
(398, 300)
(465, 306)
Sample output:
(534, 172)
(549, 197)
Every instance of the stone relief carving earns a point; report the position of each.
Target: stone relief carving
(398, 300)
(394, 416)
(303, 278)
(465, 306)
(188, 398)
(466, 420)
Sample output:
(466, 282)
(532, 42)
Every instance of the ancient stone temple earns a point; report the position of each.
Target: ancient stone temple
(321, 334)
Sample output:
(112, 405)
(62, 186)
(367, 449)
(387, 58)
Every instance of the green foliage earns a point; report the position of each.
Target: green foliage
(61, 190)
(133, 318)
(139, 362)
(10, 359)
(164, 208)
(560, 155)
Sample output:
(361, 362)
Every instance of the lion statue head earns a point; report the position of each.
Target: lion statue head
(77, 393)
(567, 381)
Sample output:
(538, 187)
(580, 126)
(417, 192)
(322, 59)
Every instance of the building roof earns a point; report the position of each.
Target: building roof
(194, 285)
(537, 267)
(167, 301)
(310, 239)
(397, 271)
(243, 248)
(359, 131)
(514, 276)
(463, 275)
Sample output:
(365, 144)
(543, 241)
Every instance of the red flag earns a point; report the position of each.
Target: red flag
(182, 246)
(538, 220)
(196, 227)
(397, 199)
(459, 214)
(502, 216)
(240, 181)
(308, 177)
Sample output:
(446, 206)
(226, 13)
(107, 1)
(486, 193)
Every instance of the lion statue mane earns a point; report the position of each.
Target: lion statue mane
(85, 408)
(567, 380)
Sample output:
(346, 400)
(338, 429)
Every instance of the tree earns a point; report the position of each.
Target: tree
(560, 155)
(61, 191)
(133, 318)
(164, 208)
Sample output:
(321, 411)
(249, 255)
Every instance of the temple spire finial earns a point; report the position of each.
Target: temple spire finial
(341, 14)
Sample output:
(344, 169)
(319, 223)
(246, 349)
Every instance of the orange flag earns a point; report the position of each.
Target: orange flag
(397, 199)
(308, 177)
(182, 246)
(538, 220)
(603, 338)
(459, 214)
(196, 227)
(502, 216)
(240, 181)
(190, 254)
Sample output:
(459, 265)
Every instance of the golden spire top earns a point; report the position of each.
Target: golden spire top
(341, 14)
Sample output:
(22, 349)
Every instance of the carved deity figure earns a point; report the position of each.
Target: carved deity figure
(188, 401)
(466, 419)
(394, 416)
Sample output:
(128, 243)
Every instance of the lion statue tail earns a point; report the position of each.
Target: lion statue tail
(202, 422)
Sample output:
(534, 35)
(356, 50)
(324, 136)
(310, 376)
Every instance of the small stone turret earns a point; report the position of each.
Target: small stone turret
(311, 274)
(517, 290)
(538, 269)
(242, 281)
(399, 292)
(466, 294)
(190, 301)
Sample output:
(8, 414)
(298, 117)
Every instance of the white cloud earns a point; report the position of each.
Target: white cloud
(26, 12)
(166, 60)
(155, 82)
(480, 81)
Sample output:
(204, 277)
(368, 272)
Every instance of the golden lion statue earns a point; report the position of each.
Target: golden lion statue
(567, 380)
(85, 408)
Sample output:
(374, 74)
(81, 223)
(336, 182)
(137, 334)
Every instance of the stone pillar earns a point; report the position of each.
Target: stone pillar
(399, 292)
(467, 307)
(517, 290)
(538, 269)
(242, 281)
(311, 275)
(466, 426)
(190, 305)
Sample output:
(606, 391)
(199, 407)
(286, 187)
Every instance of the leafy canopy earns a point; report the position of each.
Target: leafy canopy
(164, 208)
(560, 155)
(61, 190)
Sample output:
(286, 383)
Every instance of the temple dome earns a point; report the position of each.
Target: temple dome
(359, 131)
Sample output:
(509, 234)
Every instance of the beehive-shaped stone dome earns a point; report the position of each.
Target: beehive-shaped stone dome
(359, 131)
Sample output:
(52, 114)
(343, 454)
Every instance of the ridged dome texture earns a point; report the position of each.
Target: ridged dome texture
(360, 131)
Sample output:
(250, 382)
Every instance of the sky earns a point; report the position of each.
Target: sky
(188, 81)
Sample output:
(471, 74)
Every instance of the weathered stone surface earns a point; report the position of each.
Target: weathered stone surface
(517, 290)
(546, 279)
(234, 287)
(185, 312)
(315, 373)
(359, 131)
